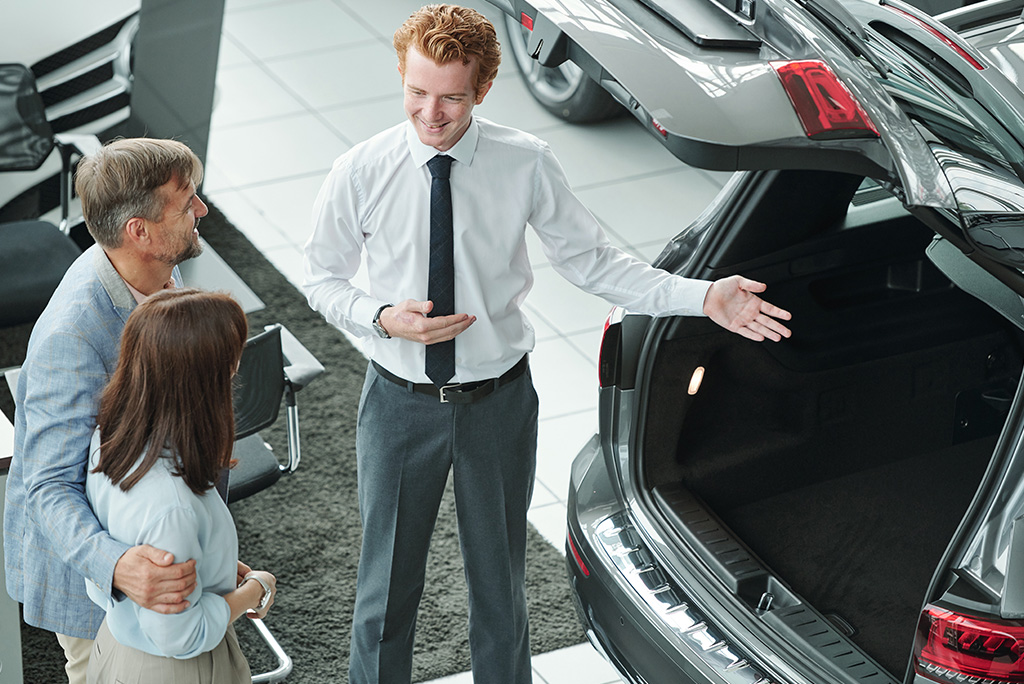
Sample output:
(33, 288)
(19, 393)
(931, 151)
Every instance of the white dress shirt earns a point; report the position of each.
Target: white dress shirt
(377, 198)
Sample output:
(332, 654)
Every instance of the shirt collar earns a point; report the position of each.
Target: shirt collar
(461, 151)
(139, 297)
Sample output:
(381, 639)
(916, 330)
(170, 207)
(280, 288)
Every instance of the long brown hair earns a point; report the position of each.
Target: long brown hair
(172, 389)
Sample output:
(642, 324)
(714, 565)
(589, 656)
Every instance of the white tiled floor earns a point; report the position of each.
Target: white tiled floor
(301, 81)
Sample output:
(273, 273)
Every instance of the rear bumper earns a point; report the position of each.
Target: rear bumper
(630, 651)
(640, 618)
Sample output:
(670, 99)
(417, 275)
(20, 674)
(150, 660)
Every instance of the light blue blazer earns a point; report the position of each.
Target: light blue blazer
(51, 537)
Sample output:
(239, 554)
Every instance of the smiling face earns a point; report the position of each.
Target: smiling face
(439, 98)
(176, 234)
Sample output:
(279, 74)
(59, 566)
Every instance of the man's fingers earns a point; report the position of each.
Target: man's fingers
(441, 328)
(179, 571)
(774, 311)
(451, 329)
(751, 285)
(155, 555)
(774, 326)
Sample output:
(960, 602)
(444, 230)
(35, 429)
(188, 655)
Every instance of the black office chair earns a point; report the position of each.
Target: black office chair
(33, 254)
(274, 366)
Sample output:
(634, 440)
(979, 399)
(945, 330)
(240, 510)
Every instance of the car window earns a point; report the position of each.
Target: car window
(980, 158)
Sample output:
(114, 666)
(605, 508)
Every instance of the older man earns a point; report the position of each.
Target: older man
(140, 206)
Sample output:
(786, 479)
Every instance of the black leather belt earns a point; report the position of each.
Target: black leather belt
(464, 393)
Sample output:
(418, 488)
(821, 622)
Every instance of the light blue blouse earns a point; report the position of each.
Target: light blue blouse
(160, 510)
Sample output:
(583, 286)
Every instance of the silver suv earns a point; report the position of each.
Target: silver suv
(844, 506)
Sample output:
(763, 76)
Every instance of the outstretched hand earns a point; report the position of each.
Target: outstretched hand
(409, 321)
(733, 304)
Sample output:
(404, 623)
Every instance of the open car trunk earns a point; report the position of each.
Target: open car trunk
(845, 457)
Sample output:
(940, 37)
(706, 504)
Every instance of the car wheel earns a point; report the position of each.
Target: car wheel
(565, 90)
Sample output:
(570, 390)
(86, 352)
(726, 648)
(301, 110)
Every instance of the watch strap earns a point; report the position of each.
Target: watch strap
(265, 599)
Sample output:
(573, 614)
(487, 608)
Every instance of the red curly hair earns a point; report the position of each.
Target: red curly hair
(446, 33)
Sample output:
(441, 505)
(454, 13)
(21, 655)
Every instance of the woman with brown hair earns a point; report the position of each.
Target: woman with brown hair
(164, 435)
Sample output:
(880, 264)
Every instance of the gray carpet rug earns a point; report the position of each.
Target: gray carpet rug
(306, 528)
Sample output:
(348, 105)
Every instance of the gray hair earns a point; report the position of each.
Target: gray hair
(122, 180)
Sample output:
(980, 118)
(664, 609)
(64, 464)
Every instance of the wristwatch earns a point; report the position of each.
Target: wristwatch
(265, 599)
(377, 327)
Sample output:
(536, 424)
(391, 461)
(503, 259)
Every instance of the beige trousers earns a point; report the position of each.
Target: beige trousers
(77, 652)
(114, 663)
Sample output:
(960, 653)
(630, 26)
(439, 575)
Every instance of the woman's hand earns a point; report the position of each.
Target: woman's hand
(271, 582)
(247, 596)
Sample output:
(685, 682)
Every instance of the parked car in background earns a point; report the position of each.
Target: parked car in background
(847, 505)
(81, 55)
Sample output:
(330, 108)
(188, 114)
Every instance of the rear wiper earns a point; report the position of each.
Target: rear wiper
(845, 27)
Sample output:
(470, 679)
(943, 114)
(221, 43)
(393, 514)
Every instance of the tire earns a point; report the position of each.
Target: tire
(565, 90)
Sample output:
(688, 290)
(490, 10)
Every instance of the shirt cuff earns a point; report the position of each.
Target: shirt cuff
(363, 311)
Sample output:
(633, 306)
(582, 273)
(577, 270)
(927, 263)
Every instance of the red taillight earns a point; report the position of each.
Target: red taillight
(526, 20)
(956, 47)
(959, 648)
(824, 105)
(611, 346)
(576, 555)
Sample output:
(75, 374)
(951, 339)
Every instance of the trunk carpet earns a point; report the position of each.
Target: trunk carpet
(865, 545)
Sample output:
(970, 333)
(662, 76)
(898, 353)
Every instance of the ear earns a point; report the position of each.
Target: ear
(483, 91)
(136, 231)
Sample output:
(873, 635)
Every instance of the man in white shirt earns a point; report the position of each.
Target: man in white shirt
(478, 418)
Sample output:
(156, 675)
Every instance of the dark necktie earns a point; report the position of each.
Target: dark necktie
(440, 364)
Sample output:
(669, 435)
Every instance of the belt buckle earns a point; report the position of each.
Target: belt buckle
(442, 388)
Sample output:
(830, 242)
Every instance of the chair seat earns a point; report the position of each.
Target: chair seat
(34, 255)
(256, 470)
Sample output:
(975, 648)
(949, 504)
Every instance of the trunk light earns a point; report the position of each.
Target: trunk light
(960, 648)
(526, 20)
(576, 554)
(825, 107)
(955, 47)
(695, 380)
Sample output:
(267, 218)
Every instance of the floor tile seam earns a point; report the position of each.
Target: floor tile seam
(582, 352)
(352, 104)
(306, 110)
(313, 52)
(534, 311)
(553, 504)
(227, 126)
(309, 108)
(259, 244)
(206, 173)
(645, 175)
(321, 173)
(249, 8)
(568, 414)
(242, 45)
(550, 491)
(538, 678)
(375, 35)
(359, 20)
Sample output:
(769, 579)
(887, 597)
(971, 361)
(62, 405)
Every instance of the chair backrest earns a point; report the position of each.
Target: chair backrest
(260, 383)
(26, 138)
(11, 375)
